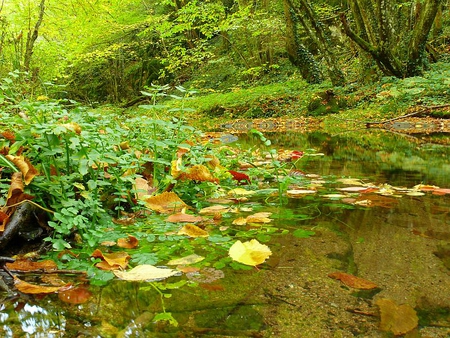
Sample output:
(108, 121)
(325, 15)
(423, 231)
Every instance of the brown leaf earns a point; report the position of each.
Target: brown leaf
(128, 243)
(28, 288)
(76, 295)
(27, 265)
(142, 188)
(4, 218)
(398, 319)
(165, 203)
(193, 231)
(353, 281)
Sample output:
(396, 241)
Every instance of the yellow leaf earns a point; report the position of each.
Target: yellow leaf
(193, 231)
(240, 191)
(398, 319)
(28, 288)
(166, 203)
(250, 253)
(25, 167)
(145, 273)
(198, 173)
(175, 168)
(214, 209)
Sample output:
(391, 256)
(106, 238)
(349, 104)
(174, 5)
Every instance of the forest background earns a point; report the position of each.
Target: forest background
(109, 51)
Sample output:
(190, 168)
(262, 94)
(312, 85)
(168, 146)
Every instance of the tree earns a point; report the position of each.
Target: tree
(393, 32)
(320, 35)
(32, 35)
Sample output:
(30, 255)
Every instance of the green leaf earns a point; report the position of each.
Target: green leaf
(302, 233)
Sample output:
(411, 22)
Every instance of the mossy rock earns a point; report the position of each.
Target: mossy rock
(324, 103)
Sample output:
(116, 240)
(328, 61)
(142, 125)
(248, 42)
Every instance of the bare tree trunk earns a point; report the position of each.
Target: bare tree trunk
(32, 37)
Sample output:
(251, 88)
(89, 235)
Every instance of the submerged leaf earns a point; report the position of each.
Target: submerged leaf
(250, 253)
(353, 281)
(398, 319)
(191, 259)
(28, 288)
(76, 295)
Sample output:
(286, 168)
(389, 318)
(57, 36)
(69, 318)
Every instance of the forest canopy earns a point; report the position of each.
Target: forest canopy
(108, 51)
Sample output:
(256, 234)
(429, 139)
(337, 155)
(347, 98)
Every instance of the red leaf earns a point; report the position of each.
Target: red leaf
(295, 155)
(240, 177)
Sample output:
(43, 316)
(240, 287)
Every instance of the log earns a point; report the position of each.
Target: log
(22, 216)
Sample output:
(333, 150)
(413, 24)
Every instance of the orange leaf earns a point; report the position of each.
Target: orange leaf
(398, 319)
(193, 231)
(128, 243)
(182, 217)
(165, 203)
(28, 288)
(77, 295)
(27, 265)
(353, 281)
(114, 260)
(4, 218)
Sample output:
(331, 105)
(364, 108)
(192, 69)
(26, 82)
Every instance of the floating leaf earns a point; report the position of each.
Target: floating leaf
(299, 192)
(353, 189)
(191, 259)
(398, 319)
(250, 253)
(145, 273)
(193, 231)
(28, 288)
(259, 217)
(353, 281)
(240, 192)
(113, 260)
(181, 217)
(350, 181)
(76, 295)
(214, 209)
(27, 265)
(130, 242)
(165, 203)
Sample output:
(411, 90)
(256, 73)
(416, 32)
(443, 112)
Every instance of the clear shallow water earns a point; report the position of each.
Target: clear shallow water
(402, 245)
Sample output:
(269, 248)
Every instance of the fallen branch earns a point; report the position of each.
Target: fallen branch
(423, 110)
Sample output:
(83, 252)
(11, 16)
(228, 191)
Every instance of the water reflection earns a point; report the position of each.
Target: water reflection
(402, 244)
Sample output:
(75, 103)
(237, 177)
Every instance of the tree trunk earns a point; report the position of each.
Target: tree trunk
(297, 53)
(394, 41)
(316, 31)
(32, 36)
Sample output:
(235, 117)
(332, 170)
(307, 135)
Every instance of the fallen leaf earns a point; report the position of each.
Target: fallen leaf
(214, 209)
(76, 295)
(240, 192)
(25, 167)
(191, 259)
(165, 203)
(145, 272)
(398, 319)
(27, 265)
(114, 260)
(181, 217)
(350, 181)
(299, 192)
(250, 253)
(142, 188)
(72, 126)
(192, 230)
(198, 173)
(28, 288)
(352, 189)
(206, 275)
(129, 242)
(4, 218)
(353, 281)
(240, 177)
(259, 217)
